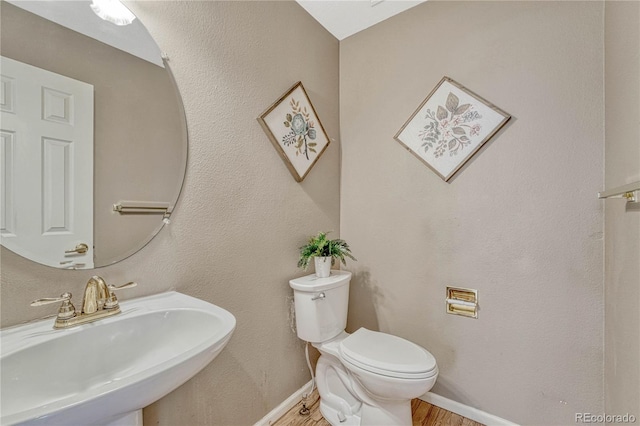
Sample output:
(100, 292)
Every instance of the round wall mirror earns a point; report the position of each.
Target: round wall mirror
(93, 135)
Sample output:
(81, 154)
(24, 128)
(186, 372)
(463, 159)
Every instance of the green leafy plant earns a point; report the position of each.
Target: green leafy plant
(321, 246)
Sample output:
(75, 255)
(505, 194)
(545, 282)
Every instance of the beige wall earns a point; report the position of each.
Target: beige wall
(233, 239)
(520, 222)
(136, 113)
(622, 220)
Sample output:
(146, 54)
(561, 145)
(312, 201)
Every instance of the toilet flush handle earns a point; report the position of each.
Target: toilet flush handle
(319, 296)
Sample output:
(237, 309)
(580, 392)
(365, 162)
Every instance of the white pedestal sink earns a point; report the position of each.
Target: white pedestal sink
(100, 372)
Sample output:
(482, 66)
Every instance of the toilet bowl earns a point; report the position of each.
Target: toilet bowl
(366, 378)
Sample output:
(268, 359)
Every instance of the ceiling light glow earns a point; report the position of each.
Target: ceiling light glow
(113, 11)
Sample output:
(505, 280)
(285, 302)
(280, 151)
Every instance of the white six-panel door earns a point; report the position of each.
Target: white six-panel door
(46, 145)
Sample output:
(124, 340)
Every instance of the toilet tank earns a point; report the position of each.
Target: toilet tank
(321, 305)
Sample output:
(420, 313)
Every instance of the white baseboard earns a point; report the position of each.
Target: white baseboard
(432, 398)
(465, 411)
(285, 406)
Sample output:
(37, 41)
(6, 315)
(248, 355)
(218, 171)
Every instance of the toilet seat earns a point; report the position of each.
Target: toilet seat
(387, 355)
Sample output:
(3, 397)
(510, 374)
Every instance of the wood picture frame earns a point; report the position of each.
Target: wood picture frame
(295, 130)
(449, 127)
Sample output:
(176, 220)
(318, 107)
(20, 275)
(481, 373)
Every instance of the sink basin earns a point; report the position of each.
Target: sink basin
(96, 373)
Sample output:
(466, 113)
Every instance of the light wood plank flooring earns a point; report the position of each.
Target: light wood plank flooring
(424, 414)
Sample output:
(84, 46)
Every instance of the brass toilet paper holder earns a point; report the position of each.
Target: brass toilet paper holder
(462, 301)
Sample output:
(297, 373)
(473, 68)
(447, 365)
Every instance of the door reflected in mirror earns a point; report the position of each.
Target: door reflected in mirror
(139, 147)
(47, 163)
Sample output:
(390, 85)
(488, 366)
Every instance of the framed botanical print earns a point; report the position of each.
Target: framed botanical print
(294, 129)
(449, 127)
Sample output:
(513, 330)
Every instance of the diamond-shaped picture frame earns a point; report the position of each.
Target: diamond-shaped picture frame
(294, 129)
(449, 127)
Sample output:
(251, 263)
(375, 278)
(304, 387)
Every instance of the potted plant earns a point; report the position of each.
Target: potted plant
(325, 252)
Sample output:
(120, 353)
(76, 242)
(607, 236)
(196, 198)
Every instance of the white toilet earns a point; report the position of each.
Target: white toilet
(366, 378)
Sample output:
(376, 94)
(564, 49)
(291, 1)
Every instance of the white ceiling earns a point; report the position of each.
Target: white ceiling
(343, 18)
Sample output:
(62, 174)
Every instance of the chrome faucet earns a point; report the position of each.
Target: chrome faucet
(99, 301)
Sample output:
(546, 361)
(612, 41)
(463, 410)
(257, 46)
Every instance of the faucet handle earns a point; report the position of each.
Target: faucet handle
(47, 300)
(66, 311)
(112, 300)
(122, 287)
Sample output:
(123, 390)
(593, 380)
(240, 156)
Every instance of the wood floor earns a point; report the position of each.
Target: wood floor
(424, 414)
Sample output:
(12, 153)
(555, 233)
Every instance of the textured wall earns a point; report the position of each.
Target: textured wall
(520, 222)
(135, 113)
(622, 221)
(234, 236)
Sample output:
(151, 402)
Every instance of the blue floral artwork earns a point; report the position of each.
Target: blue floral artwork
(302, 131)
(294, 129)
(450, 125)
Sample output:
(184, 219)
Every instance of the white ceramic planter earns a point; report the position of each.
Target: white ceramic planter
(323, 266)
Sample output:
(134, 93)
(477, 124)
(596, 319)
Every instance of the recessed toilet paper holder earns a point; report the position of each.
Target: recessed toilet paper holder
(462, 301)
